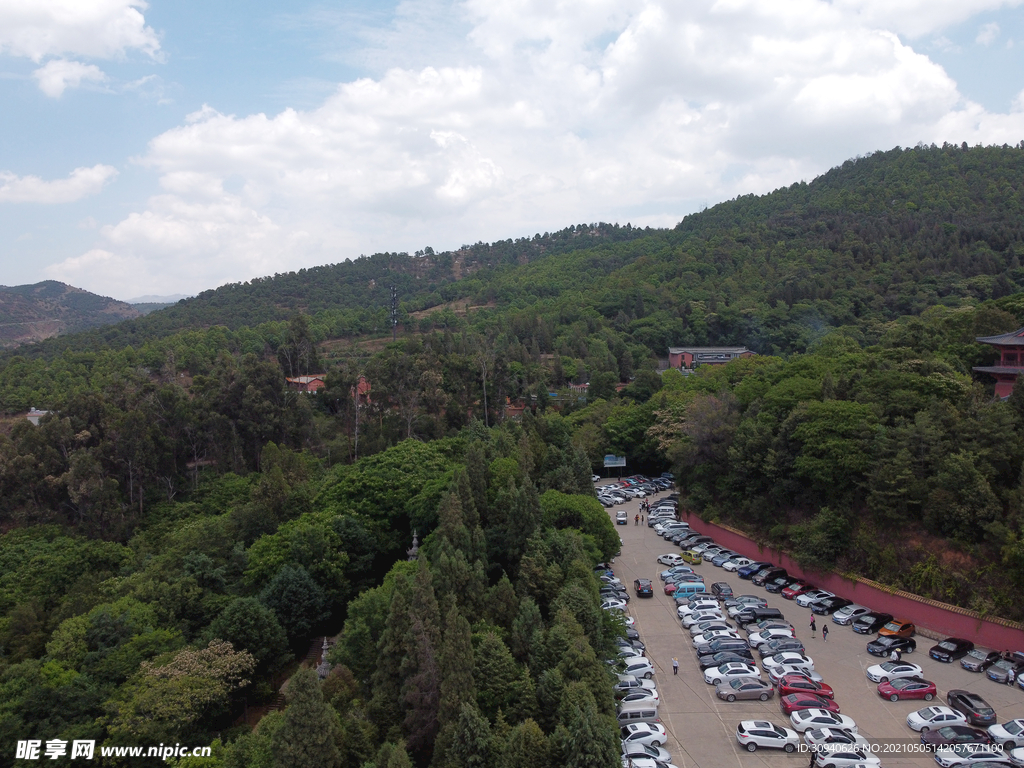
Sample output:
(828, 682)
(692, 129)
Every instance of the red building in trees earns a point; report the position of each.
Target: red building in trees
(1011, 360)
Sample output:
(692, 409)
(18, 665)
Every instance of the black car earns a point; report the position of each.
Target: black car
(766, 575)
(775, 586)
(724, 657)
(955, 734)
(979, 659)
(643, 587)
(721, 590)
(972, 706)
(885, 645)
(829, 605)
(951, 649)
(781, 645)
(724, 644)
(632, 634)
(871, 622)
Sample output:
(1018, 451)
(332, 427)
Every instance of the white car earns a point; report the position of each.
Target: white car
(651, 734)
(813, 595)
(849, 614)
(845, 756)
(699, 617)
(645, 694)
(670, 559)
(615, 581)
(767, 635)
(755, 734)
(629, 621)
(708, 637)
(696, 606)
(1017, 756)
(816, 736)
(630, 653)
(643, 751)
(930, 718)
(775, 674)
(787, 658)
(967, 754)
(1009, 734)
(806, 719)
(644, 762)
(729, 671)
(734, 564)
(709, 625)
(892, 670)
(640, 667)
(613, 604)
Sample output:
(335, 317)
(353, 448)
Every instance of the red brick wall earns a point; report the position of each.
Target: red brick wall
(946, 620)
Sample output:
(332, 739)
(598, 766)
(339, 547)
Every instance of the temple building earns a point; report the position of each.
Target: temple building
(1011, 360)
(686, 358)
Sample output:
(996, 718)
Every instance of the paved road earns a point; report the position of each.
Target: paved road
(702, 728)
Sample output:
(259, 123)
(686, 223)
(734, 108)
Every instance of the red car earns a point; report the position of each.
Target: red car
(907, 688)
(797, 588)
(670, 588)
(795, 683)
(795, 701)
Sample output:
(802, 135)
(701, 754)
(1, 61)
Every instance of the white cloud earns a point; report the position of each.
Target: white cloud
(559, 113)
(58, 74)
(102, 29)
(31, 189)
(987, 34)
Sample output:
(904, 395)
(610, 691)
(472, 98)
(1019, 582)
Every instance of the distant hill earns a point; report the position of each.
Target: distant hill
(41, 311)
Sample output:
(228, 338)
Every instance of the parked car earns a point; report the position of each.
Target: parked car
(969, 754)
(757, 639)
(667, 574)
(871, 622)
(747, 571)
(823, 736)
(907, 688)
(843, 756)
(797, 701)
(670, 559)
(721, 558)
(897, 628)
(892, 670)
(689, 556)
(884, 646)
(732, 565)
(646, 694)
(975, 709)
(651, 734)
(702, 617)
(829, 605)
(786, 645)
(779, 585)
(643, 588)
(954, 734)
(635, 751)
(787, 658)
(811, 596)
(730, 671)
(721, 590)
(733, 644)
(767, 575)
(623, 687)
(715, 634)
(979, 659)
(775, 674)
(742, 688)
(799, 683)
(1010, 735)
(926, 719)
(761, 734)
(1000, 671)
(849, 614)
(806, 719)
(951, 649)
(709, 626)
(718, 659)
(796, 587)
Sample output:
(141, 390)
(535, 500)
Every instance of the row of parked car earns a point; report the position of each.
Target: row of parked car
(633, 487)
(727, 662)
(641, 730)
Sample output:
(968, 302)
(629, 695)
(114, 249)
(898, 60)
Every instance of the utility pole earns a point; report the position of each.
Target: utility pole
(394, 313)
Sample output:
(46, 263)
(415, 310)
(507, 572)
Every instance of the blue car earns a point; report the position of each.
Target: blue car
(747, 571)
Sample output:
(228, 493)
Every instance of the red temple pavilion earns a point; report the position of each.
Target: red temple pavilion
(1011, 360)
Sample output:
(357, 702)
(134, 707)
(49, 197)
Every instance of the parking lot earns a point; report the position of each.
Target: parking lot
(702, 727)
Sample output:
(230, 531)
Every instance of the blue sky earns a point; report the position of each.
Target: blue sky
(167, 147)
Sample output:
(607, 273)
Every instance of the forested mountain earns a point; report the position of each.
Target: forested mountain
(180, 495)
(34, 312)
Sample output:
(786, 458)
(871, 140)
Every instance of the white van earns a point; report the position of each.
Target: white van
(638, 712)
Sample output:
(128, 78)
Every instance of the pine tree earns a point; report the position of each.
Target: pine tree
(528, 747)
(495, 673)
(527, 625)
(470, 746)
(456, 663)
(311, 730)
(421, 691)
(502, 603)
(385, 705)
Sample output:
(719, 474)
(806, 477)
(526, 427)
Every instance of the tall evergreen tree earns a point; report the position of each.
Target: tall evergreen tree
(456, 663)
(311, 730)
(470, 746)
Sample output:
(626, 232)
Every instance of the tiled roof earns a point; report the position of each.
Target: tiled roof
(1012, 339)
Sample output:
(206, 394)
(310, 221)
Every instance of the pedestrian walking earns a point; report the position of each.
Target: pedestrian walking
(1011, 676)
(814, 628)
(636, 520)
(641, 519)
(824, 633)
(675, 666)
(895, 655)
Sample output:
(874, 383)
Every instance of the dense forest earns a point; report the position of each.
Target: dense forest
(181, 520)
